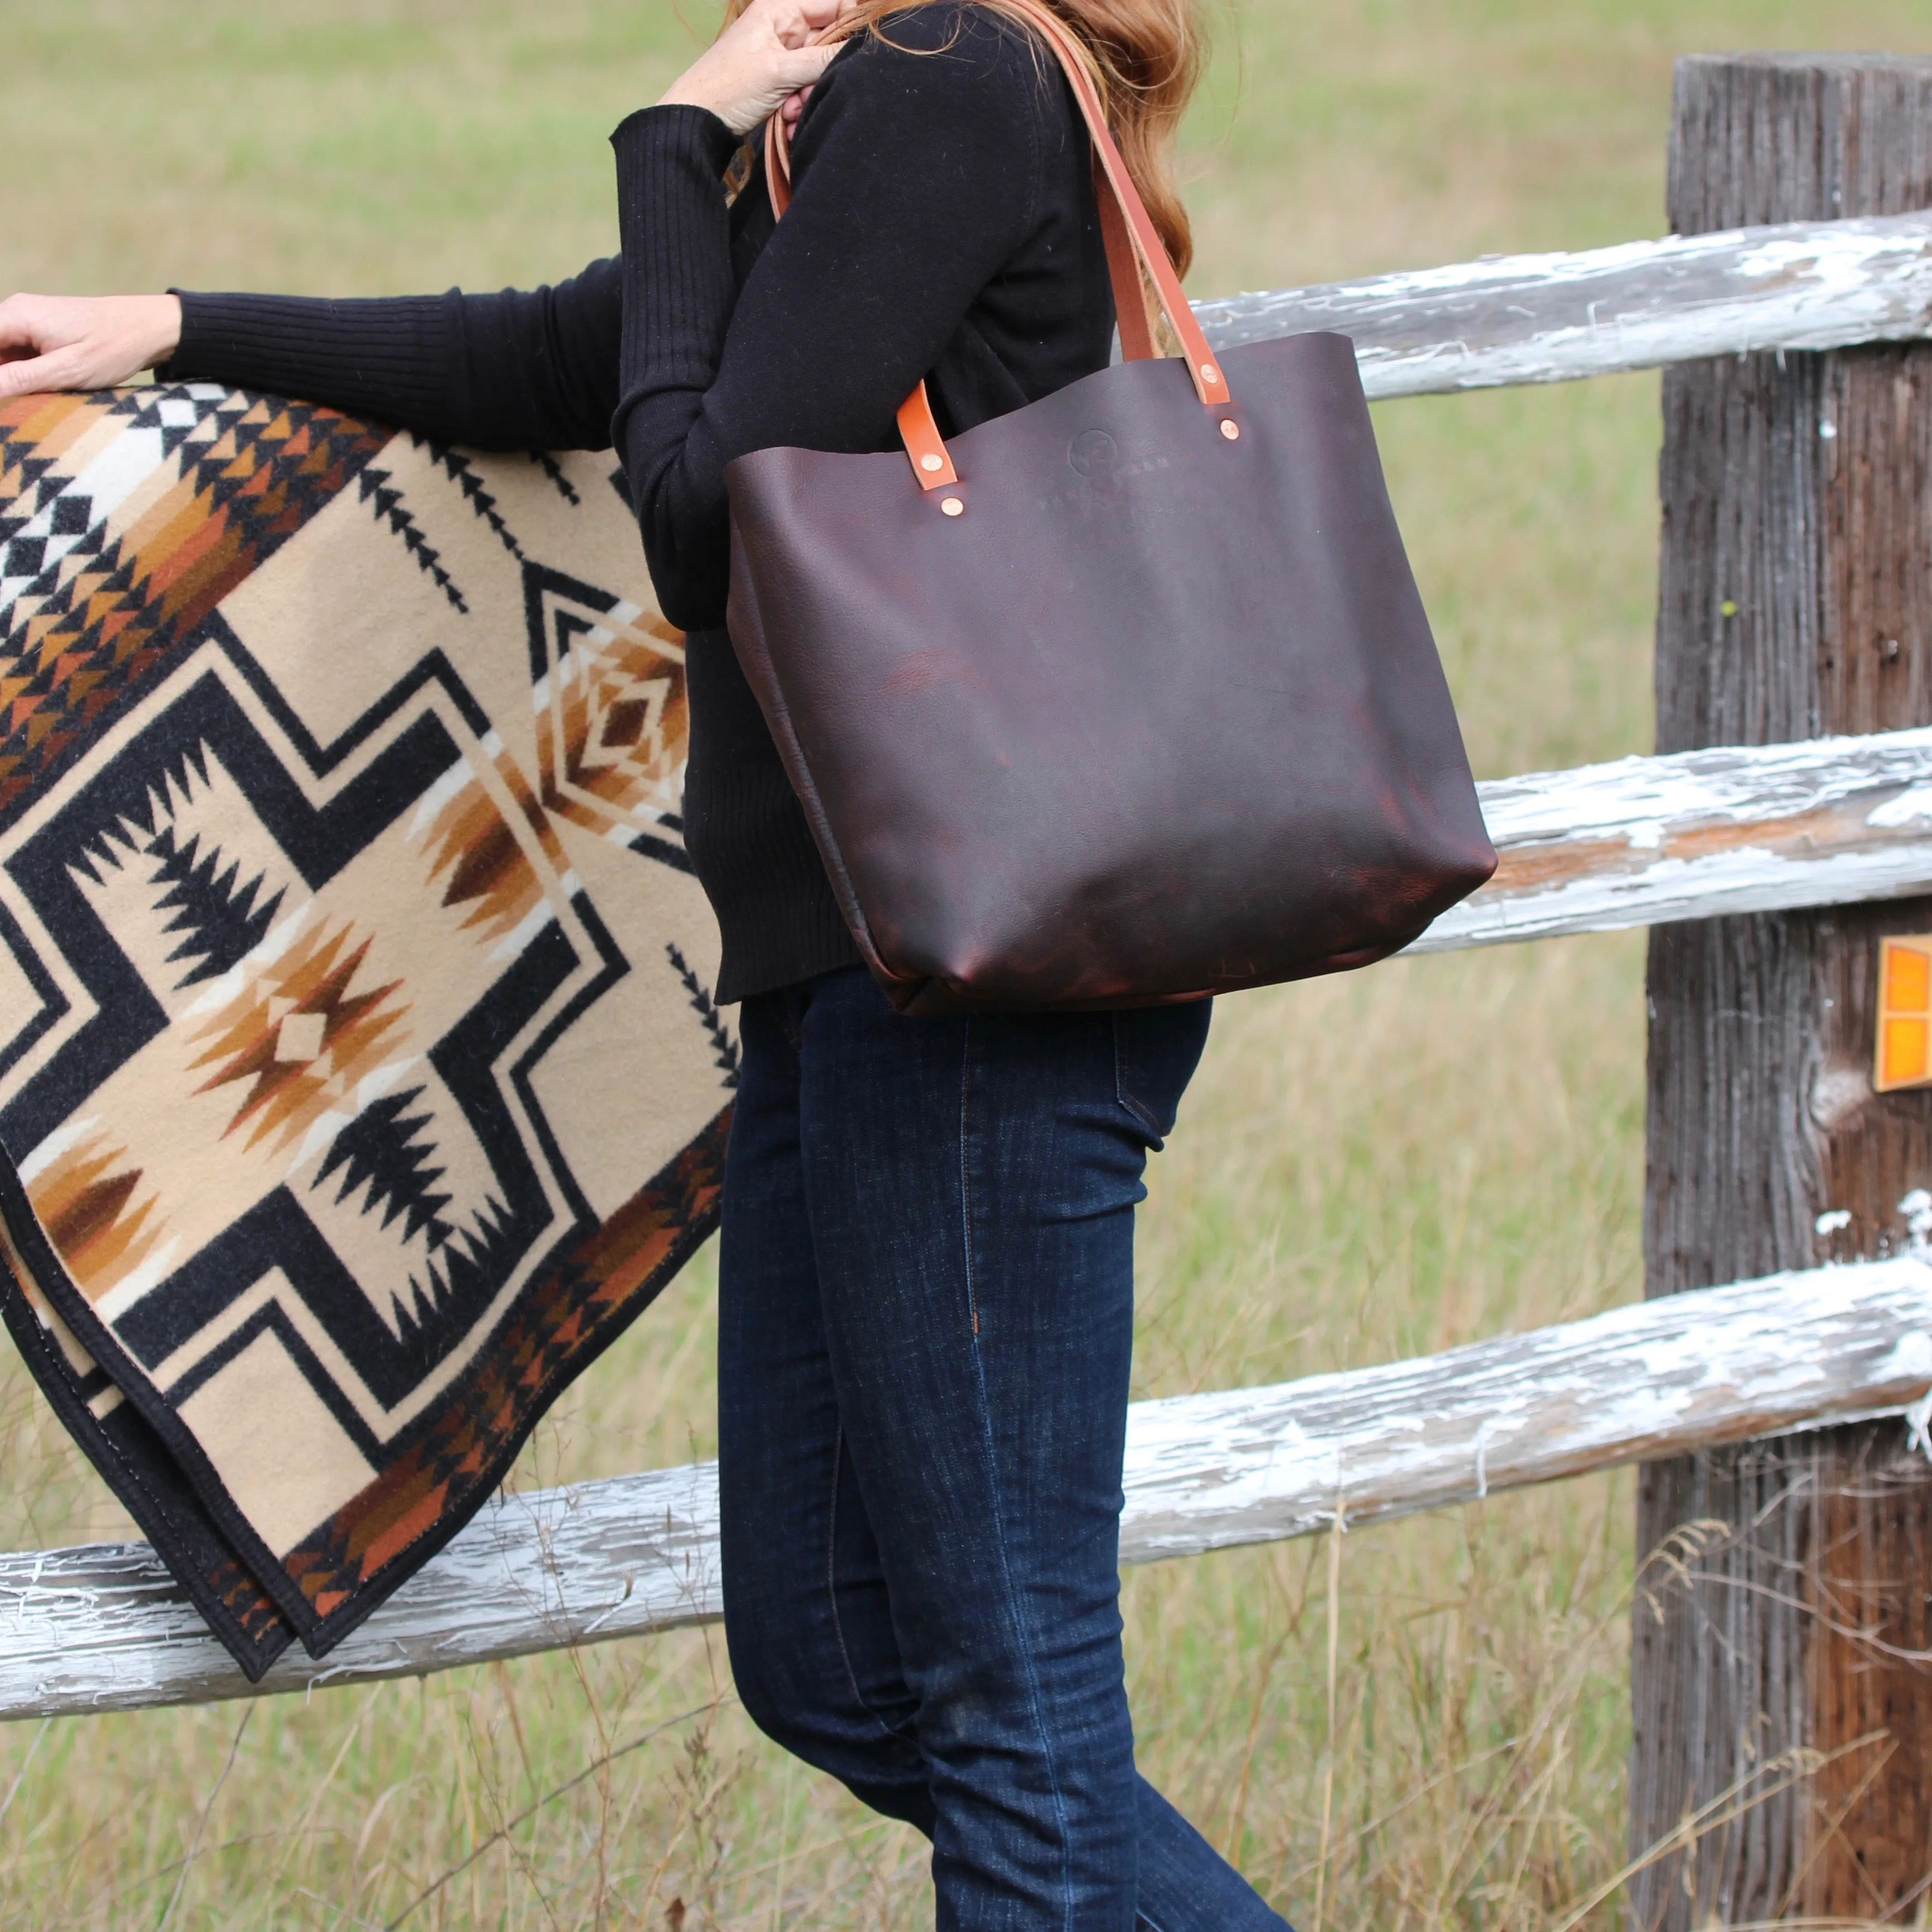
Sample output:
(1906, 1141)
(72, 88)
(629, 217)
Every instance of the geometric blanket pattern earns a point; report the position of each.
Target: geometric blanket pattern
(359, 1078)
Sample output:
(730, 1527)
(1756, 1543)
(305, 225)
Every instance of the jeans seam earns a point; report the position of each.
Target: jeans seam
(993, 1481)
(1130, 1103)
(965, 1174)
(890, 1730)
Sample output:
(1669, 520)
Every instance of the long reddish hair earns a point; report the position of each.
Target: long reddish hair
(1144, 56)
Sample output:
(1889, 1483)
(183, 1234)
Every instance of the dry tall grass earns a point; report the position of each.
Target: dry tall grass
(1418, 1727)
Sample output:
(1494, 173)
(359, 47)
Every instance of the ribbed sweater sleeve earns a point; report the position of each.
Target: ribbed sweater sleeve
(533, 369)
(916, 176)
(674, 225)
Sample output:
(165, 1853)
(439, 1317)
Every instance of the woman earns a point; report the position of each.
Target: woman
(925, 1277)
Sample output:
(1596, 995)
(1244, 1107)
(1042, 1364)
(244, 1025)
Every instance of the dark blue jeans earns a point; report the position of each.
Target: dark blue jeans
(925, 1304)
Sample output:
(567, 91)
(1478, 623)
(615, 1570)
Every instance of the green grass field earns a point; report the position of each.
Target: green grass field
(1416, 1156)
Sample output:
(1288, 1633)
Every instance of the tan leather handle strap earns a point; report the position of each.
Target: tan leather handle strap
(1132, 242)
(919, 431)
(1124, 204)
(778, 166)
(1123, 270)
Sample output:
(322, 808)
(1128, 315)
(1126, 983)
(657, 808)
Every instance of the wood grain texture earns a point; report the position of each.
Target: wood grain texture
(1795, 600)
(104, 1628)
(1552, 318)
(1643, 841)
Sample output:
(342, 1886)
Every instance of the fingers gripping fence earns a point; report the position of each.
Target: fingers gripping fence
(1790, 313)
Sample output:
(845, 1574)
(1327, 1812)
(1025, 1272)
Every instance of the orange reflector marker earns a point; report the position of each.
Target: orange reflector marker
(1908, 979)
(1904, 1054)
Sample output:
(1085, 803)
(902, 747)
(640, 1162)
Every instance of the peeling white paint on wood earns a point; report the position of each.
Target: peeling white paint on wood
(103, 1628)
(1688, 1371)
(1701, 834)
(1552, 318)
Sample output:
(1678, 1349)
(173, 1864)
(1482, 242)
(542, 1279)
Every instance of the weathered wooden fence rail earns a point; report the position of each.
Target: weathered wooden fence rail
(104, 1628)
(1648, 841)
(1521, 319)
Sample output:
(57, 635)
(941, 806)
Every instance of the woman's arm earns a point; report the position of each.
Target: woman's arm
(524, 370)
(915, 169)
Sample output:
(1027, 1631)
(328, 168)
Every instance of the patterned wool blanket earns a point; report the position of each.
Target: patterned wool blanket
(359, 1081)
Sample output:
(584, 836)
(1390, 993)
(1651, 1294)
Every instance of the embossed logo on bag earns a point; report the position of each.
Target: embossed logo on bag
(1095, 457)
(1092, 453)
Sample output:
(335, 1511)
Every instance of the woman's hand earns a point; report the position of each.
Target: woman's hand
(762, 63)
(83, 342)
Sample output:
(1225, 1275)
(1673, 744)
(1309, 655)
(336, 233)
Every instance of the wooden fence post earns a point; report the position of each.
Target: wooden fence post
(1796, 600)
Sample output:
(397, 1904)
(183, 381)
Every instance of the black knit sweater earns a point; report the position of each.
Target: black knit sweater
(942, 225)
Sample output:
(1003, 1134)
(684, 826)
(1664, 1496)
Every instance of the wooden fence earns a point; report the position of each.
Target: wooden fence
(1749, 834)
(103, 1628)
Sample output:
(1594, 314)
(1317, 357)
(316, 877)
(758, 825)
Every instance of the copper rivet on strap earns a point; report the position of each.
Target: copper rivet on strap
(1209, 374)
(1231, 429)
(952, 506)
(931, 463)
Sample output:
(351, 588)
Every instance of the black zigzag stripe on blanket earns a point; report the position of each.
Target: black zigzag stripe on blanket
(359, 1083)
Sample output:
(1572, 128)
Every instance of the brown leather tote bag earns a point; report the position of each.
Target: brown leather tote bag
(1126, 697)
